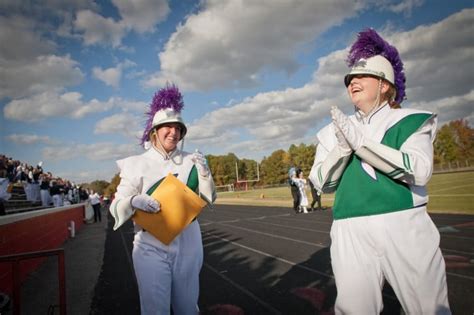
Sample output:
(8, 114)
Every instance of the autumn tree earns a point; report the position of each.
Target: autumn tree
(98, 186)
(454, 142)
(112, 187)
(222, 168)
(274, 169)
(302, 156)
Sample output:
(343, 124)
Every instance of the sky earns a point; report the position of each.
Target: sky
(77, 76)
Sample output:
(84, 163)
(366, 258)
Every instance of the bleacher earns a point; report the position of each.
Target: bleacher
(18, 203)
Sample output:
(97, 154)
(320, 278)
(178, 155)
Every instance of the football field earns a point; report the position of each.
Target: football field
(449, 193)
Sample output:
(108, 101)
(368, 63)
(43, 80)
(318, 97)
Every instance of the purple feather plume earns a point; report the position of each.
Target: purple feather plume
(167, 97)
(369, 44)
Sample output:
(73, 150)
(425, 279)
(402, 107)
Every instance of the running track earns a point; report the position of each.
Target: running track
(267, 260)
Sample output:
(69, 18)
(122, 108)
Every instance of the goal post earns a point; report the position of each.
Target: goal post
(246, 181)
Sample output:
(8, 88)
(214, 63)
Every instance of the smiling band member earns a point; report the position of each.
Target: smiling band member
(167, 275)
(378, 162)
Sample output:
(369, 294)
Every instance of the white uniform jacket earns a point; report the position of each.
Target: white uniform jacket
(394, 163)
(140, 172)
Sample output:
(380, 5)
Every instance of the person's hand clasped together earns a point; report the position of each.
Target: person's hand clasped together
(346, 133)
(378, 162)
(167, 274)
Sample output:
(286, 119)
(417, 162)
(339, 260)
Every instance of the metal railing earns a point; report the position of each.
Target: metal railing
(15, 261)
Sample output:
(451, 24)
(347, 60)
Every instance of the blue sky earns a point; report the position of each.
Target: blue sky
(76, 76)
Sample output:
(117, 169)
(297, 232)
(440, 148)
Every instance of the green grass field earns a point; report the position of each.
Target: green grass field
(449, 193)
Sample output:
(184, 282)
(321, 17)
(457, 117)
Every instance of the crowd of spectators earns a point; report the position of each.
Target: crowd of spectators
(39, 186)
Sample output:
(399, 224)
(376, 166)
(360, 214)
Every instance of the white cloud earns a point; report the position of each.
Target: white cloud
(94, 152)
(23, 42)
(112, 76)
(142, 15)
(96, 29)
(436, 57)
(134, 106)
(405, 6)
(277, 119)
(29, 139)
(87, 176)
(44, 73)
(450, 108)
(124, 123)
(29, 62)
(228, 43)
(51, 104)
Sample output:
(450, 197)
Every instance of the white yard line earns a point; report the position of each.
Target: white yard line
(289, 262)
(244, 290)
(294, 228)
(272, 235)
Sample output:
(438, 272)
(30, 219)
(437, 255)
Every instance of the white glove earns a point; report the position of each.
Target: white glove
(342, 142)
(353, 136)
(201, 163)
(145, 203)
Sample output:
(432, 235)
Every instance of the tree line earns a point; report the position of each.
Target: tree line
(454, 142)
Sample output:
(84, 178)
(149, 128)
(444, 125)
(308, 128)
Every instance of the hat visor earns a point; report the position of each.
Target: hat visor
(184, 130)
(348, 78)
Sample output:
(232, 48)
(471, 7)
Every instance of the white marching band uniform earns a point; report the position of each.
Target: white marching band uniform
(302, 184)
(380, 211)
(164, 272)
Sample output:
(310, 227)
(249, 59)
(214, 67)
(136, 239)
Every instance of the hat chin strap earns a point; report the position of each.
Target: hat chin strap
(169, 156)
(360, 114)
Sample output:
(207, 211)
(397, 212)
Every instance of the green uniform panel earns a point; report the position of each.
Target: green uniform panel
(359, 194)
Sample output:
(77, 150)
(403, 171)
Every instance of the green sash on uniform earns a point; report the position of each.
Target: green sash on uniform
(358, 194)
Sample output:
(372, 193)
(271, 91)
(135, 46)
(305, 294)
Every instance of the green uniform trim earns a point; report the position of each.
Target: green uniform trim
(359, 194)
(193, 181)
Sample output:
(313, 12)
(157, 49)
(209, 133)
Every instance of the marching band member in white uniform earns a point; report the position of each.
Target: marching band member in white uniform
(301, 184)
(378, 161)
(167, 275)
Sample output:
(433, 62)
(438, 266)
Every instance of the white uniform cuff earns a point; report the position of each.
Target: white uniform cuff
(121, 210)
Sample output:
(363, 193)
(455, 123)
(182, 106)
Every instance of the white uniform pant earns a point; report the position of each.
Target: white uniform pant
(401, 247)
(169, 275)
(45, 198)
(58, 200)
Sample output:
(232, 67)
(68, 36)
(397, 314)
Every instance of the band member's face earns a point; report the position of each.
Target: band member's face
(169, 135)
(363, 91)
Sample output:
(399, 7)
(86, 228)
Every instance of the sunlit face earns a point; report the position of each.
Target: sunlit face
(168, 135)
(363, 90)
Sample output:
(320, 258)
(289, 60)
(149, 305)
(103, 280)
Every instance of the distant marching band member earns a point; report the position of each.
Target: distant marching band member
(166, 274)
(303, 197)
(378, 161)
(294, 189)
